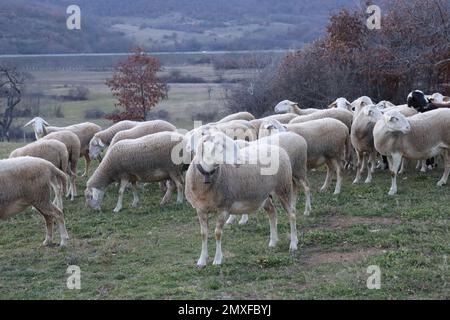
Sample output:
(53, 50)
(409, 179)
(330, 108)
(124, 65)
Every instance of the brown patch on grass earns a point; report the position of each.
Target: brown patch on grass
(318, 258)
(340, 221)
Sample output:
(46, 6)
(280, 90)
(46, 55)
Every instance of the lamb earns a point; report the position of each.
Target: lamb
(237, 116)
(342, 115)
(103, 138)
(341, 103)
(146, 159)
(287, 106)
(223, 178)
(296, 148)
(85, 132)
(143, 129)
(53, 151)
(72, 143)
(328, 143)
(18, 193)
(396, 136)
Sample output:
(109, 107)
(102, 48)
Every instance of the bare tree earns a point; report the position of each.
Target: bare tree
(11, 82)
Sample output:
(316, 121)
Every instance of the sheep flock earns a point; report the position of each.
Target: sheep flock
(235, 166)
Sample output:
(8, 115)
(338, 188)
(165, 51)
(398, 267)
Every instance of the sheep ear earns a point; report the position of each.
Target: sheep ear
(30, 122)
(100, 143)
(387, 118)
(333, 105)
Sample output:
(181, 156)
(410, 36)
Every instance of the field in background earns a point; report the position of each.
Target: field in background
(150, 252)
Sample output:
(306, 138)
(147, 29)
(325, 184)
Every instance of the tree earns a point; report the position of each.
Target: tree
(136, 86)
(11, 82)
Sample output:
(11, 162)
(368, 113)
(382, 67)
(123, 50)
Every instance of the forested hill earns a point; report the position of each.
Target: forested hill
(164, 25)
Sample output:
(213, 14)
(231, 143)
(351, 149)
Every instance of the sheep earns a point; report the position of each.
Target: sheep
(328, 143)
(439, 98)
(287, 106)
(342, 115)
(51, 150)
(28, 181)
(237, 116)
(84, 131)
(296, 148)
(223, 178)
(341, 103)
(385, 104)
(103, 138)
(362, 136)
(360, 103)
(282, 118)
(418, 137)
(143, 129)
(146, 159)
(73, 147)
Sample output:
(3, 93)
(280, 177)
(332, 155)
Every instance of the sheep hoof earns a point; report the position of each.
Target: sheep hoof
(306, 213)
(355, 181)
(201, 263)
(243, 220)
(272, 243)
(441, 183)
(293, 247)
(368, 181)
(47, 243)
(135, 205)
(392, 192)
(117, 210)
(217, 261)
(336, 192)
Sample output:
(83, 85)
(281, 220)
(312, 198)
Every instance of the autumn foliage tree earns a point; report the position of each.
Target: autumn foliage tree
(410, 51)
(136, 86)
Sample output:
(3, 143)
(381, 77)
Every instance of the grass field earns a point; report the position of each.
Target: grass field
(150, 252)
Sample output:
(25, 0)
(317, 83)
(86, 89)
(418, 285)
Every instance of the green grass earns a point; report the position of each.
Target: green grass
(150, 252)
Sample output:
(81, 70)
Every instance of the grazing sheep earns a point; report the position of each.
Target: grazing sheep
(296, 148)
(73, 147)
(237, 116)
(28, 181)
(146, 159)
(103, 138)
(342, 115)
(143, 129)
(328, 143)
(287, 106)
(53, 151)
(418, 137)
(341, 103)
(225, 179)
(85, 132)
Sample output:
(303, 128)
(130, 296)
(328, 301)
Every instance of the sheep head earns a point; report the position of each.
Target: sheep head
(94, 198)
(39, 125)
(341, 103)
(96, 146)
(396, 122)
(285, 106)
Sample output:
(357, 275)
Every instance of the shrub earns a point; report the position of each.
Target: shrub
(94, 114)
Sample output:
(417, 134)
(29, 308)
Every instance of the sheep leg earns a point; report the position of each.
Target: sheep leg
(373, 157)
(424, 166)
(218, 232)
(87, 161)
(289, 207)
(179, 184)
(244, 219)
(231, 219)
(203, 220)
(272, 213)
(170, 188)
(339, 169)
(328, 178)
(135, 195)
(370, 167)
(403, 166)
(359, 164)
(395, 160)
(123, 185)
(307, 190)
(54, 212)
(444, 178)
(49, 230)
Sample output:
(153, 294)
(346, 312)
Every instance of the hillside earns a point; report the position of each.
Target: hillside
(171, 25)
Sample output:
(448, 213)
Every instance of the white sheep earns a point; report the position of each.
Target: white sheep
(247, 116)
(145, 159)
(328, 143)
(282, 118)
(341, 103)
(360, 103)
(53, 151)
(422, 136)
(143, 129)
(287, 106)
(225, 179)
(28, 181)
(103, 138)
(342, 115)
(85, 132)
(297, 150)
(72, 143)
